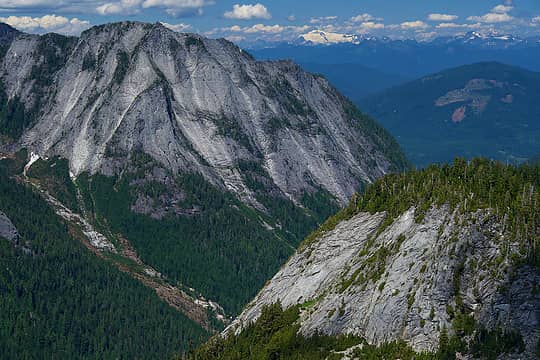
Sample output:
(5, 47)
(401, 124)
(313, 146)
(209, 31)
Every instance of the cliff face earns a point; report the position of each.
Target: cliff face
(7, 230)
(194, 105)
(404, 282)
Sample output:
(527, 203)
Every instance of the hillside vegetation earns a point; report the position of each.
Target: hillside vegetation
(59, 300)
(480, 110)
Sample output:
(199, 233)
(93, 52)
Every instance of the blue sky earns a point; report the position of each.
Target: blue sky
(283, 20)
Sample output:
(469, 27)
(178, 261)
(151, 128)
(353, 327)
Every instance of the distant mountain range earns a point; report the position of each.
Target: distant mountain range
(407, 58)
(485, 109)
(354, 80)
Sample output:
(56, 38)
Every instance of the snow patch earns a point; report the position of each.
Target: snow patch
(322, 37)
(33, 158)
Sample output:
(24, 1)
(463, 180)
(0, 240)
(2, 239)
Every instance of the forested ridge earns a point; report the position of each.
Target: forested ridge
(511, 193)
(226, 250)
(61, 301)
(276, 335)
(508, 193)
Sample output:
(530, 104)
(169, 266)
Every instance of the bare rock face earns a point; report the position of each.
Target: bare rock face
(405, 281)
(7, 230)
(194, 105)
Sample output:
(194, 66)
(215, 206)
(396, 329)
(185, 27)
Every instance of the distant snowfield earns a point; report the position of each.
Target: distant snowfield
(322, 37)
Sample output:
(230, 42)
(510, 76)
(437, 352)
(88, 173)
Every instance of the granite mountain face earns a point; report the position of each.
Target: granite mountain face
(192, 104)
(184, 155)
(414, 259)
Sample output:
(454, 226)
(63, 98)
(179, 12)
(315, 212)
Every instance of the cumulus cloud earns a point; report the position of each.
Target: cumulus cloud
(364, 18)
(177, 27)
(502, 9)
(370, 26)
(536, 19)
(418, 24)
(47, 23)
(450, 26)
(456, 26)
(172, 7)
(125, 7)
(499, 14)
(491, 18)
(322, 19)
(247, 12)
(442, 17)
(291, 18)
(178, 7)
(19, 4)
(261, 28)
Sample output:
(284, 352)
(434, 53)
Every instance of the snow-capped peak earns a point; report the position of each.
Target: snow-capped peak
(323, 37)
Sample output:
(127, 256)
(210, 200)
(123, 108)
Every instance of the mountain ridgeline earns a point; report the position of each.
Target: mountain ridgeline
(484, 109)
(425, 264)
(178, 160)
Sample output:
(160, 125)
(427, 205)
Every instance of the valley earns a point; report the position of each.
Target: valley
(174, 191)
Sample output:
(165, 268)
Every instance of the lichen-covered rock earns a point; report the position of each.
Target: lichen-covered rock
(405, 281)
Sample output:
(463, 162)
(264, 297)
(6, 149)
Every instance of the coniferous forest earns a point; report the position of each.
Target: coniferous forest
(61, 301)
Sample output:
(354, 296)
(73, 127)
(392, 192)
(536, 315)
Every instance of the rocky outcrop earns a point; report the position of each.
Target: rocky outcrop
(194, 105)
(407, 280)
(7, 230)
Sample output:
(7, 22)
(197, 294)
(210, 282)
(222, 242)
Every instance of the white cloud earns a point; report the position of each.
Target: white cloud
(371, 25)
(260, 28)
(247, 12)
(18, 4)
(47, 23)
(426, 36)
(491, 18)
(451, 26)
(263, 29)
(536, 19)
(502, 9)
(125, 7)
(291, 18)
(322, 19)
(442, 17)
(130, 7)
(177, 27)
(363, 18)
(418, 24)
(178, 7)
(499, 14)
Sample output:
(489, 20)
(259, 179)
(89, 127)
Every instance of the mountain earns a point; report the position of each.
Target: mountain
(483, 109)
(422, 265)
(324, 37)
(410, 58)
(182, 161)
(355, 81)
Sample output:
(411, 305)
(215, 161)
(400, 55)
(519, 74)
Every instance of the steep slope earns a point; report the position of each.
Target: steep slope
(484, 109)
(59, 298)
(213, 166)
(445, 259)
(211, 105)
